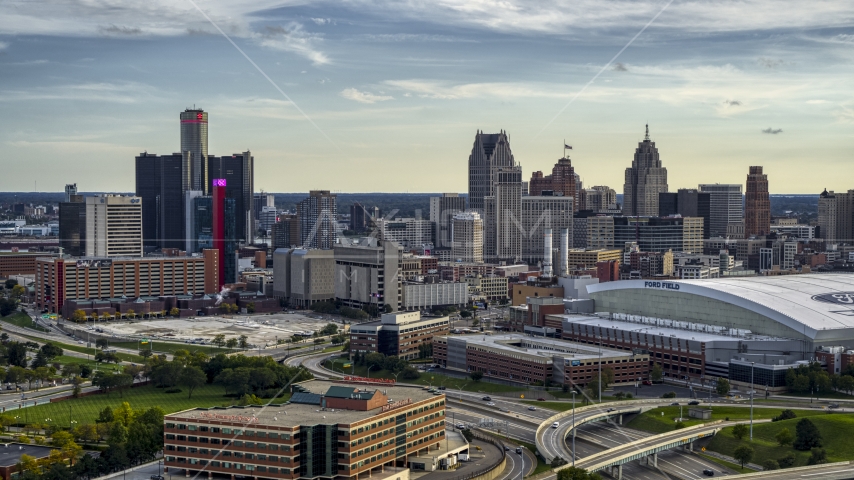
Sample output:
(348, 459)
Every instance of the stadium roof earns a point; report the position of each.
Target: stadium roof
(812, 301)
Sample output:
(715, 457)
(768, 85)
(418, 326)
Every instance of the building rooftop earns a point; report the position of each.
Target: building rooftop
(802, 302)
(540, 346)
(10, 453)
(293, 414)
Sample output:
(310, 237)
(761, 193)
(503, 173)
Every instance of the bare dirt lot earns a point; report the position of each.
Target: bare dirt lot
(261, 329)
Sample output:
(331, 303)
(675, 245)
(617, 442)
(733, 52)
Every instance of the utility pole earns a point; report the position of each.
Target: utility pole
(573, 427)
(751, 401)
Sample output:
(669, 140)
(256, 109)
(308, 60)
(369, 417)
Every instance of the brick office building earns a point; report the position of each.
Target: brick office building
(328, 430)
(528, 360)
(399, 333)
(18, 263)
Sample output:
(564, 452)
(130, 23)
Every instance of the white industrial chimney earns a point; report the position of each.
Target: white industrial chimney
(563, 266)
(547, 253)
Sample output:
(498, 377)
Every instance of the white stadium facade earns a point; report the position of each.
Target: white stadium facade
(725, 327)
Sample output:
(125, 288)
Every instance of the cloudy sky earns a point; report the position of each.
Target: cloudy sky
(356, 95)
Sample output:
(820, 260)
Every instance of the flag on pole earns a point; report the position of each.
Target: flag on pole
(567, 147)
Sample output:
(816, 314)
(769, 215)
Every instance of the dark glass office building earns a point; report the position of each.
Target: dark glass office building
(72, 228)
(688, 202)
(161, 182)
(238, 170)
(202, 234)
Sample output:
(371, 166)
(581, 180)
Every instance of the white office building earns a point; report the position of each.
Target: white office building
(113, 226)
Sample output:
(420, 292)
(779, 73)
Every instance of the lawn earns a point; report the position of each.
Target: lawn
(23, 320)
(86, 409)
(171, 347)
(67, 360)
(430, 378)
(127, 357)
(732, 466)
(654, 422)
(835, 430)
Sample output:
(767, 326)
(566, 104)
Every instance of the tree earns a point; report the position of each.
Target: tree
(29, 464)
(770, 464)
(250, 307)
(784, 437)
(192, 377)
(87, 432)
(679, 425)
(131, 313)
(744, 454)
(740, 431)
(102, 343)
(465, 314)
(722, 386)
(50, 351)
(817, 456)
(846, 384)
(574, 473)
(78, 316)
(219, 340)
(807, 435)
(318, 341)
(329, 329)
(607, 377)
(18, 291)
(231, 343)
(476, 376)
(16, 354)
(61, 438)
(242, 342)
(787, 460)
(174, 311)
(557, 461)
(656, 373)
(785, 415)
(124, 414)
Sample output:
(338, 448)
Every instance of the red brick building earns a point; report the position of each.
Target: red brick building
(561, 180)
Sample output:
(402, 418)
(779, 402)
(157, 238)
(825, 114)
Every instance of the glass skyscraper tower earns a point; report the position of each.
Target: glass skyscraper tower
(194, 144)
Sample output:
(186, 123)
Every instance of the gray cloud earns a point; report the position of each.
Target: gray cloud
(619, 67)
(116, 30)
(322, 21)
(198, 32)
(732, 103)
(772, 131)
(273, 31)
(769, 62)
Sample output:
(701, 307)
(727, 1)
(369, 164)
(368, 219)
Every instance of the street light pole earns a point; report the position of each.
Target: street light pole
(573, 427)
(600, 369)
(751, 401)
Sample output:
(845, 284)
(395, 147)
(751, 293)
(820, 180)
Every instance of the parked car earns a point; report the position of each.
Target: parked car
(442, 387)
(647, 382)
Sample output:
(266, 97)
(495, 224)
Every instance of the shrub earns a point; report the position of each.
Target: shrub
(786, 461)
(172, 390)
(770, 465)
(669, 395)
(807, 435)
(784, 415)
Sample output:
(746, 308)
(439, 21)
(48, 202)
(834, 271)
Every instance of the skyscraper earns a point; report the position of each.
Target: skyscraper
(162, 184)
(490, 152)
(503, 212)
(725, 207)
(70, 190)
(194, 147)
(317, 220)
(285, 232)
(442, 211)
(238, 170)
(836, 216)
(563, 180)
(687, 202)
(72, 226)
(757, 212)
(538, 214)
(645, 179)
(362, 217)
(467, 237)
(113, 226)
(262, 200)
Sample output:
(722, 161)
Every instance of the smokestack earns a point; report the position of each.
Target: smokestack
(547, 253)
(563, 266)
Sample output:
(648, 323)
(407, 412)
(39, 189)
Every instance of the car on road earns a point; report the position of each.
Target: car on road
(506, 448)
(555, 425)
(490, 404)
(442, 387)
(833, 405)
(647, 382)
(541, 399)
(461, 426)
(156, 477)
(519, 450)
(674, 404)
(532, 408)
(694, 402)
(708, 472)
(610, 410)
(486, 399)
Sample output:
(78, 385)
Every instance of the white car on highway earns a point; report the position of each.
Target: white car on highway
(490, 404)
(555, 425)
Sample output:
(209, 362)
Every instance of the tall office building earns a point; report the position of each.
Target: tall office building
(645, 179)
(490, 152)
(836, 216)
(70, 190)
(757, 212)
(267, 218)
(600, 199)
(467, 237)
(203, 228)
(162, 182)
(368, 273)
(503, 211)
(725, 207)
(261, 200)
(442, 211)
(317, 220)
(285, 232)
(194, 147)
(238, 170)
(362, 217)
(72, 226)
(113, 226)
(538, 214)
(411, 233)
(660, 234)
(563, 180)
(687, 202)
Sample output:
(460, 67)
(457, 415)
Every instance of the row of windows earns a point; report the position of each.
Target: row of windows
(236, 466)
(235, 431)
(227, 454)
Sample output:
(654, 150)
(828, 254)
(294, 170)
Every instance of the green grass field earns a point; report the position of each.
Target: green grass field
(127, 357)
(172, 347)
(22, 320)
(836, 430)
(67, 360)
(653, 421)
(86, 409)
(724, 463)
(432, 378)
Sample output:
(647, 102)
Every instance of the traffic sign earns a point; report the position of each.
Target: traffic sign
(703, 449)
(522, 396)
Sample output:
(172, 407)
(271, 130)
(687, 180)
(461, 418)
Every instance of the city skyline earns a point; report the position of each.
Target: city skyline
(722, 86)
